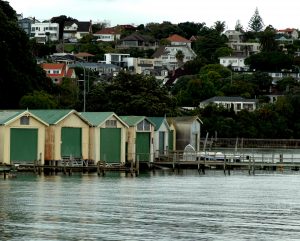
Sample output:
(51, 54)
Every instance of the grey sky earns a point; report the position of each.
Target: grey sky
(277, 13)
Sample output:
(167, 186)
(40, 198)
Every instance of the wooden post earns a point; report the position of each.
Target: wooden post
(137, 165)
(224, 166)
(4, 174)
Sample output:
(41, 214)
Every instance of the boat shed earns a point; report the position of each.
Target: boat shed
(22, 137)
(139, 138)
(67, 136)
(172, 135)
(188, 131)
(107, 137)
(161, 136)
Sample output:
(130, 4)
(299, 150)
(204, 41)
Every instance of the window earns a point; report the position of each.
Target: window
(143, 126)
(111, 123)
(24, 120)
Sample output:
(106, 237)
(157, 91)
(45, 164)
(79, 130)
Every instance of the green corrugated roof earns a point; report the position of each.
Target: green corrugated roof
(132, 120)
(157, 121)
(51, 116)
(96, 118)
(7, 115)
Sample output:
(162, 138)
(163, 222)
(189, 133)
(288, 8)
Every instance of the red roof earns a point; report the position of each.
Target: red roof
(107, 31)
(287, 30)
(178, 38)
(83, 54)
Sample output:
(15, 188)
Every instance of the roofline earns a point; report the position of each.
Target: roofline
(76, 113)
(24, 113)
(117, 117)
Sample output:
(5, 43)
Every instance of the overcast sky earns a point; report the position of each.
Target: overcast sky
(280, 14)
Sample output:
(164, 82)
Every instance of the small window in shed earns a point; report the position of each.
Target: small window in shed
(143, 126)
(24, 120)
(111, 123)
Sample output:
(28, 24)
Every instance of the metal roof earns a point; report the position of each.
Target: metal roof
(228, 99)
(7, 116)
(52, 117)
(158, 121)
(134, 120)
(98, 118)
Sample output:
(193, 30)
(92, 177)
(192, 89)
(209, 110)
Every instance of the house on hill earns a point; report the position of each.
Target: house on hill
(108, 35)
(74, 30)
(235, 103)
(57, 71)
(176, 39)
(137, 40)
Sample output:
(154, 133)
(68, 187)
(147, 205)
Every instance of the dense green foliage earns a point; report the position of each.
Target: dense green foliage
(19, 73)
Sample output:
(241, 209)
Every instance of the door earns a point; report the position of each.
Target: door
(71, 142)
(23, 144)
(143, 146)
(110, 145)
(161, 143)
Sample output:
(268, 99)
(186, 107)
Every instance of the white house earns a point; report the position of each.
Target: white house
(166, 56)
(44, 32)
(107, 35)
(116, 59)
(233, 36)
(75, 30)
(237, 63)
(236, 103)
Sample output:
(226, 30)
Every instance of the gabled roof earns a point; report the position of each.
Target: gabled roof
(158, 121)
(178, 38)
(53, 117)
(99, 118)
(134, 120)
(8, 116)
(84, 26)
(185, 119)
(83, 54)
(138, 37)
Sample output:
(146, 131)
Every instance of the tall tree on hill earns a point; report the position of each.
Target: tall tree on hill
(256, 23)
(61, 20)
(19, 73)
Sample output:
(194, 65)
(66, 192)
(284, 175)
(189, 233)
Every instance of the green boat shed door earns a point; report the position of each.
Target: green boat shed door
(23, 144)
(143, 146)
(71, 142)
(110, 145)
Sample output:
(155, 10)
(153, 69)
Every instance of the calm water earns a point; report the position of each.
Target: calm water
(161, 206)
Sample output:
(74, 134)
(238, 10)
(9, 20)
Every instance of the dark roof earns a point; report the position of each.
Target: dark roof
(84, 26)
(138, 37)
(228, 99)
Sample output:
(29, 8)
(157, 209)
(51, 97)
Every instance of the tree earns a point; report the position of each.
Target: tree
(38, 100)
(256, 23)
(267, 40)
(239, 27)
(179, 57)
(129, 94)
(219, 26)
(19, 73)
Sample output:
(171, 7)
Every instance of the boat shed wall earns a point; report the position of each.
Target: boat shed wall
(5, 137)
(162, 130)
(54, 136)
(188, 131)
(95, 137)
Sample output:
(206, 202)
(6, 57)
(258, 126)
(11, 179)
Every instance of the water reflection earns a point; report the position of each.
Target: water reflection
(161, 205)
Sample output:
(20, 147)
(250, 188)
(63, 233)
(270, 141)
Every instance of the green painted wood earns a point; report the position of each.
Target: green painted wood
(143, 146)
(23, 144)
(110, 145)
(171, 140)
(71, 142)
